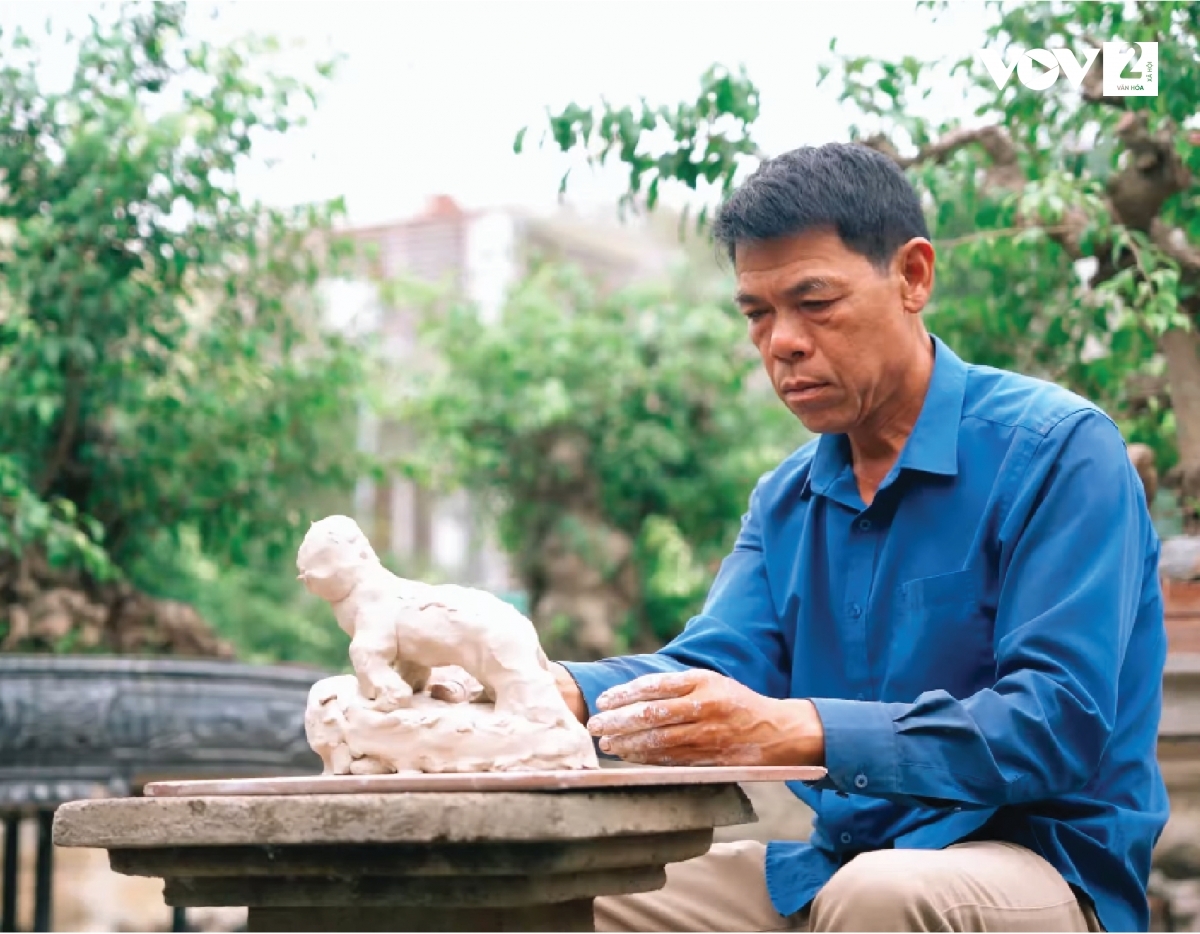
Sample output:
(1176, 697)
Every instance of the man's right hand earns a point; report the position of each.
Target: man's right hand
(570, 692)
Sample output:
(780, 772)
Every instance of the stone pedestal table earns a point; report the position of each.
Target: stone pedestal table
(449, 852)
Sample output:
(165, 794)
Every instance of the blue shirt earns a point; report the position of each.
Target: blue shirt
(984, 643)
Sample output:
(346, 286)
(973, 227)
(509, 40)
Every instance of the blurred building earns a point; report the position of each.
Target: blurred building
(480, 255)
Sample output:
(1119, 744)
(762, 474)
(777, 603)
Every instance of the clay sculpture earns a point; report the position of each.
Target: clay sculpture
(446, 678)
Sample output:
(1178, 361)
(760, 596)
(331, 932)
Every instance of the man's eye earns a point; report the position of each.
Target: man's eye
(755, 315)
(816, 305)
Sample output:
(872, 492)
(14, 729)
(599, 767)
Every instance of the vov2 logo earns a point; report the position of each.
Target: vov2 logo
(1130, 70)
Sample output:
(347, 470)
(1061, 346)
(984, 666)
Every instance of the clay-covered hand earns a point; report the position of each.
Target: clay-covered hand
(701, 718)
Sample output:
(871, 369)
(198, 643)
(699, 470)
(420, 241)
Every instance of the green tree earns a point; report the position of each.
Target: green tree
(1067, 221)
(614, 436)
(169, 395)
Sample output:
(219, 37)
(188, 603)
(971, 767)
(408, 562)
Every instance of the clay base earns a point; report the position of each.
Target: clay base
(430, 735)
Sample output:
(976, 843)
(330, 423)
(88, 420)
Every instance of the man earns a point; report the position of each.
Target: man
(949, 600)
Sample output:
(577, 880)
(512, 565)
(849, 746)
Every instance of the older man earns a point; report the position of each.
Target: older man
(949, 599)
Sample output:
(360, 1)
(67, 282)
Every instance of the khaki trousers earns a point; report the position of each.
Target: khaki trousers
(968, 887)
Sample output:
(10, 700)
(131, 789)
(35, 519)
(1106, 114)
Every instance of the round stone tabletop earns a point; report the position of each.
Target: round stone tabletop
(350, 853)
(446, 817)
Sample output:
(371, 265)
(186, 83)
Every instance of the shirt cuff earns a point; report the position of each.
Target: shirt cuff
(594, 678)
(861, 754)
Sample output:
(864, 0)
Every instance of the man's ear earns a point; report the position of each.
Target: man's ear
(914, 266)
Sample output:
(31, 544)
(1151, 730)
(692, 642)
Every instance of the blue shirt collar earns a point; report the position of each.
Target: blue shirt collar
(933, 445)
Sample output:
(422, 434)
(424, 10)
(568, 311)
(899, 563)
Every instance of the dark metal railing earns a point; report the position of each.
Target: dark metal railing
(75, 727)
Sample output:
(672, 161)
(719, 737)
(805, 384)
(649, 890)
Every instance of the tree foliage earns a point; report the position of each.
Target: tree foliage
(165, 374)
(1067, 221)
(584, 415)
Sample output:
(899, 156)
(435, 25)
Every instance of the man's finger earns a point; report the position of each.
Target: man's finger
(644, 715)
(685, 744)
(648, 688)
(657, 745)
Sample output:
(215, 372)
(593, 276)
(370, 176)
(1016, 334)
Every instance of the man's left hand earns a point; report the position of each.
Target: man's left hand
(703, 718)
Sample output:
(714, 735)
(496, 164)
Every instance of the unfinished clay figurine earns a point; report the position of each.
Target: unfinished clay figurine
(431, 735)
(446, 678)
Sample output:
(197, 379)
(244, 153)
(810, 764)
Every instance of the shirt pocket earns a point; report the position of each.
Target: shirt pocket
(942, 638)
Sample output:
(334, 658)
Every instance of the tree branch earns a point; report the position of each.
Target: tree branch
(1092, 89)
(1004, 173)
(67, 432)
(1145, 392)
(1152, 173)
(994, 140)
(1174, 242)
(1049, 229)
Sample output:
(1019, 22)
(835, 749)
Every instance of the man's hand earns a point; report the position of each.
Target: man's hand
(703, 718)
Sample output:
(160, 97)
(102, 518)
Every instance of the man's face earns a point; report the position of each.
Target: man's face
(835, 334)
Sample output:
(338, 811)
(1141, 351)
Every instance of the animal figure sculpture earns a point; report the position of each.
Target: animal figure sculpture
(485, 651)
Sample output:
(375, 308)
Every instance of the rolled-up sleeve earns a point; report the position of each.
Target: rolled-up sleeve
(1073, 572)
(736, 633)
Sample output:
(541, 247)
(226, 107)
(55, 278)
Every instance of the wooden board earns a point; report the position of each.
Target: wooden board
(407, 782)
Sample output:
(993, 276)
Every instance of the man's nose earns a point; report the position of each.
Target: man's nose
(790, 338)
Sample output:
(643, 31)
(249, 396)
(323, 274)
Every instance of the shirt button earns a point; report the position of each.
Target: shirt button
(856, 611)
(846, 838)
(860, 781)
(864, 524)
(860, 696)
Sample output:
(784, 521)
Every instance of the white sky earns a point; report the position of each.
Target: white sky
(431, 94)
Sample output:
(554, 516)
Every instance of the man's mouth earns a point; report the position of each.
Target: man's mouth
(802, 390)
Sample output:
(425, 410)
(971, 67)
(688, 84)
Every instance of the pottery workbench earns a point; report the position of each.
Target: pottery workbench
(455, 852)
